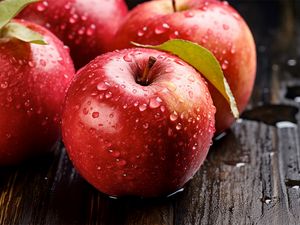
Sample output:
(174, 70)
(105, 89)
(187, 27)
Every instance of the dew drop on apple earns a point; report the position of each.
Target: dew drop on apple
(81, 31)
(140, 33)
(108, 95)
(162, 108)
(4, 85)
(85, 111)
(42, 6)
(169, 69)
(191, 78)
(191, 94)
(225, 65)
(155, 102)
(159, 30)
(102, 86)
(174, 35)
(127, 58)
(95, 115)
(142, 107)
(225, 27)
(122, 162)
(115, 154)
(178, 126)
(91, 30)
(146, 125)
(174, 116)
(179, 62)
(189, 14)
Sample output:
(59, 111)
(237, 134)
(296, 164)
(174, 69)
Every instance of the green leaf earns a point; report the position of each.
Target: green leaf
(23, 33)
(202, 60)
(10, 8)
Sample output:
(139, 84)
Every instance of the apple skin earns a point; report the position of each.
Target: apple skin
(132, 140)
(86, 26)
(33, 83)
(212, 24)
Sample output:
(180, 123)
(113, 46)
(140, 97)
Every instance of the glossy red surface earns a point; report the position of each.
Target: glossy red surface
(129, 139)
(33, 82)
(214, 25)
(86, 26)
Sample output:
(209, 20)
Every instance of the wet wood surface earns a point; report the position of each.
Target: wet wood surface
(251, 175)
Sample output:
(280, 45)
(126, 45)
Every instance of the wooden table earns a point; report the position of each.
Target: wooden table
(251, 176)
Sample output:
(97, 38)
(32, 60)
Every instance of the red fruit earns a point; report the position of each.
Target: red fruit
(138, 138)
(210, 23)
(33, 82)
(86, 26)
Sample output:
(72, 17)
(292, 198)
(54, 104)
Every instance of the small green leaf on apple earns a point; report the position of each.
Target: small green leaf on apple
(202, 60)
(10, 8)
(23, 33)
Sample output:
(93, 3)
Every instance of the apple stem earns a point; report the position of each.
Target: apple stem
(145, 76)
(174, 5)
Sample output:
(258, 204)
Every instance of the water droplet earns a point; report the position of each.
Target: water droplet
(108, 95)
(146, 125)
(4, 85)
(179, 62)
(90, 31)
(122, 162)
(140, 33)
(155, 102)
(225, 65)
(166, 26)
(127, 58)
(98, 167)
(174, 116)
(169, 69)
(115, 154)
(162, 108)
(142, 107)
(42, 6)
(189, 14)
(174, 35)
(95, 115)
(136, 104)
(81, 31)
(159, 30)
(85, 111)
(191, 78)
(72, 20)
(191, 94)
(102, 86)
(178, 126)
(225, 27)
(43, 62)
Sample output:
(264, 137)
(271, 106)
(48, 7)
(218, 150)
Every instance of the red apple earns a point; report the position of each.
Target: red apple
(33, 82)
(133, 126)
(86, 26)
(210, 23)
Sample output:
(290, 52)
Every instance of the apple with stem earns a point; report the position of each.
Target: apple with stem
(86, 26)
(210, 23)
(36, 70)
(138, 122)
